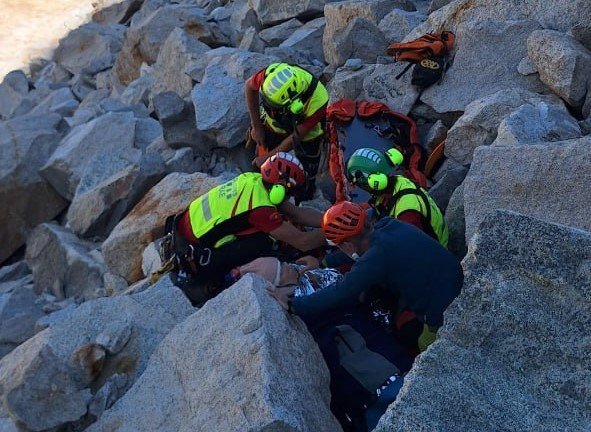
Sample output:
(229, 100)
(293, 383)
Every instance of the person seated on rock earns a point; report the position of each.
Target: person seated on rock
(392, 256)
(240, 220)
(393, 194)
(287, 108)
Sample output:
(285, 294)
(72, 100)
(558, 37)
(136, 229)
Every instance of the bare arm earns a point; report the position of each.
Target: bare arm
(252, 103)
(287, 144)
(300, 215)
(303, 241)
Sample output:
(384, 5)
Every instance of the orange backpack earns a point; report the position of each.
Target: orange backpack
(430, 53)
(428, 45)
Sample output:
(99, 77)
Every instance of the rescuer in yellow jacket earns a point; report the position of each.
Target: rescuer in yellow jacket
(243, 219)
(287, 108)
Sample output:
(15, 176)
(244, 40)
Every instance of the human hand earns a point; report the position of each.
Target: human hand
(258, 161)
(309, 262)
(257, 133)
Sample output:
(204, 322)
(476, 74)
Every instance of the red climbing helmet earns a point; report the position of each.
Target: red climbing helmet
(284, 169)
(342, 221)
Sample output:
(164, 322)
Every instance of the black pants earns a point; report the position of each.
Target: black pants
(209, 280)
(308, 152)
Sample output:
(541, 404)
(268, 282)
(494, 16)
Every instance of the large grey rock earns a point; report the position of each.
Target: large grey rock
(563, 63)
(102, 167)
(220, 108)
(51, 75)
(348, 84)
(94, 212)
(456, 223)
(143, 41)
(270, 12)
(25, 145)
(531, 124)
(19, 311)
(339, 15)
(117, 13)
(15, 271)
(499, 44)
(69, 361)
(252, 42)
(308, 38)
(145, 223)
(438, 4)
(180, 49)
(548, 181)
(257, 343)
(512, 354)
(398, 23)
(61, 101)
(138, 91)
(177, 118)
(90, 48)
(553, 14)
(360, 39)
(480, 122)
(382, 85)
(63, 265)
(449, 177)
(273, 36)
(13, 90)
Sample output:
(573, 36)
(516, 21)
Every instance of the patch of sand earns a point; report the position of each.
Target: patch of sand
(32, 28)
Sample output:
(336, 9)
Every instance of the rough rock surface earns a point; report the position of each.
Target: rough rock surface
(340, 14)
(13, 89)
(180, 49)
(398, 23)
(514, 341)
(19, 311)
(63, 265)
(96, 211)
(360, 39)
(123, 248)
(90, 48)
(308, 39)
(563, 63)
(61, 101)
(25, 145)
(548, 181)
(220, 108)
(531, 124)
(177, 118)
(348, 84)
(143, 41)
(273, 36)
(78, 355)
(448, 178)
(456, 223)
(256, 343)
(478, 44)
(382, 85)
(480, 122)
(271, 12)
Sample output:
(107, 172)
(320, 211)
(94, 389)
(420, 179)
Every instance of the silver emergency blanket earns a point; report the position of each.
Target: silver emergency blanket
(311, 281)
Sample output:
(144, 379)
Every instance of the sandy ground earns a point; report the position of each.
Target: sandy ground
(32, 28)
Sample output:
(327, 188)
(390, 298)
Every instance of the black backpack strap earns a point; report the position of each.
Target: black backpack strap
(418, 191)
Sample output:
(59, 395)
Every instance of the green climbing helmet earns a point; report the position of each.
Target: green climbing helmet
(366, 166)
(283, 84)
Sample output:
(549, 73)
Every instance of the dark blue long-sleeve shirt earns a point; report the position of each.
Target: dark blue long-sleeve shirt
(402, 259)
